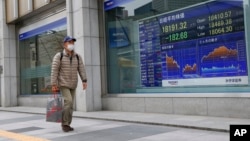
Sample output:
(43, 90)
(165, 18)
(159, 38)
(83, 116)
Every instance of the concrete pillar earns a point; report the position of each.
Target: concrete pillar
(82, 16)
(8, 61)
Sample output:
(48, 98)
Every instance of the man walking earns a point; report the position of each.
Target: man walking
(65, 67)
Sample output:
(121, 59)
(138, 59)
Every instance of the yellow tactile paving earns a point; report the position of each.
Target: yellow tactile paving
(19, 137)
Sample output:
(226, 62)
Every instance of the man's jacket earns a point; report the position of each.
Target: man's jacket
(64, 70)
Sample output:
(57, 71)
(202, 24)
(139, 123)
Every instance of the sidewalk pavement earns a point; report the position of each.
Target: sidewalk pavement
(185, 121)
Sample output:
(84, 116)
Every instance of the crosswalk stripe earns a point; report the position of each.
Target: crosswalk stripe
(19, 137)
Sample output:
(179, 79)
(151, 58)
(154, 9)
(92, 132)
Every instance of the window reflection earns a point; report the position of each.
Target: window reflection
(36, 54)
(147, 34)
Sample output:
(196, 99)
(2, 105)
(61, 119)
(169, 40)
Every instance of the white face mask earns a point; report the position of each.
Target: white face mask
(71, 47)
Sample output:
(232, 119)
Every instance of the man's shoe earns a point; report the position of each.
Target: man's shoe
(71, 128)
(66, 128)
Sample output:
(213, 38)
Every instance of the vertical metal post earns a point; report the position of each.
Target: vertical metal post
(1, 71)
(15, 12)
(69, 7)
(30, 5)
(47, 1)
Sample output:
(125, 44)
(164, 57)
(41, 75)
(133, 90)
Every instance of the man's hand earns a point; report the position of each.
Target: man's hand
(84, 85)
(54, 88)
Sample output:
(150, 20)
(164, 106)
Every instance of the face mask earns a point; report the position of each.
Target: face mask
(71, 47)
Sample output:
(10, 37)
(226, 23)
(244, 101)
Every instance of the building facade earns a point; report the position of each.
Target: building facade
(154, 56)
(31, 33)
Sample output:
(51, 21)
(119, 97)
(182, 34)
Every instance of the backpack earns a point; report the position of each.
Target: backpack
(76, 57)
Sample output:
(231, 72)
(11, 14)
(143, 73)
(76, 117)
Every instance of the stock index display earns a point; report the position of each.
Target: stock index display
(199, 45)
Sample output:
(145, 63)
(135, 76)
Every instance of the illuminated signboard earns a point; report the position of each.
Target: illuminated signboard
(199, 45)
(110, 4)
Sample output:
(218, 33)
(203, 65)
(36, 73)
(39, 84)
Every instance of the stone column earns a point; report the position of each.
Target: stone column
(8, 61)
(82, 20)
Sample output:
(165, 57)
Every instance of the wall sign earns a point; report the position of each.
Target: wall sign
(110, 4)
(42, 29)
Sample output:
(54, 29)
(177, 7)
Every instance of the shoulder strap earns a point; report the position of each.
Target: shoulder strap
(61, 56)
(77, 58)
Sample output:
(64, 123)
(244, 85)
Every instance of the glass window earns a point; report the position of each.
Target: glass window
(37, 49)
(161, 46)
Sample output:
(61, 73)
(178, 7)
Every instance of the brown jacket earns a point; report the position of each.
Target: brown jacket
(64, 72)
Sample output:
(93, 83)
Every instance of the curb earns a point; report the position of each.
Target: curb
(159, 124)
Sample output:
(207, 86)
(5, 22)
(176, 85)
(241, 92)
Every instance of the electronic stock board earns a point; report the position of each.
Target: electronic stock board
(199, 45)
